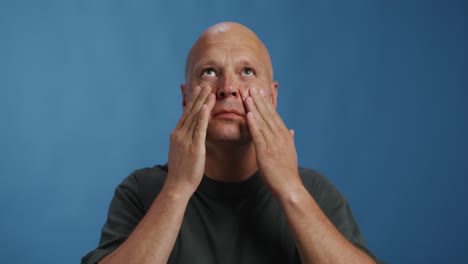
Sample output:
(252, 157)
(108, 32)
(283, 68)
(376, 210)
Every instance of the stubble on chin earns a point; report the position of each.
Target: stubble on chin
(233, 133)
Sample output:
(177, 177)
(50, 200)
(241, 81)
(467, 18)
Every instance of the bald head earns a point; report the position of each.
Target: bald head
(228, 60)
(232, 33)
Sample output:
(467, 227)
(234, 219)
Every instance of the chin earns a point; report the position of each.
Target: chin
(227, 132)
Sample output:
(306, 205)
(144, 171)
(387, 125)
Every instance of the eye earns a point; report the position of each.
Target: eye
(247, 72)
(210, 72)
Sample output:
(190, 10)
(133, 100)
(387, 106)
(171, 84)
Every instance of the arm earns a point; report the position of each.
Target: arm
(317, 239)
(154, 237)
(159, 226)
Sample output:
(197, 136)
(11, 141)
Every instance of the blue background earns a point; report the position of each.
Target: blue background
(375, 90)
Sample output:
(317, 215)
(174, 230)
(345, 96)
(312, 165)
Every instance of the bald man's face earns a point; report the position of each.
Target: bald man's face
(229, 63)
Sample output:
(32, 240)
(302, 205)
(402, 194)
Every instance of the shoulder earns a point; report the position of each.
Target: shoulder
(321, 188)
(314, 181)
(145, 183)
(334, 205)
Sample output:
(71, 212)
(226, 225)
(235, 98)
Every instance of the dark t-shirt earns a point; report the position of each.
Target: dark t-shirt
(224, 222)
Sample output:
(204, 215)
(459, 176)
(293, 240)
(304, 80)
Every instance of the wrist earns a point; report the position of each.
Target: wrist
(291, 195)
(178, 190)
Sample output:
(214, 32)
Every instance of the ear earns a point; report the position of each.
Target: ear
(184, 94)
(274, 93)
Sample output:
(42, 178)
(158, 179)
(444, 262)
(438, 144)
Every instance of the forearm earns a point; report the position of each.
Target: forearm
(154, 237)
(317, 240)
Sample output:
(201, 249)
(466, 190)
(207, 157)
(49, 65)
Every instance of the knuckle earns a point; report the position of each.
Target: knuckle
(193, 150)
(257, 134)
(195, 109)
(199, 128)
(191, 111)
(269, 115)
(261, 124)
(175, 136)
(173, 139)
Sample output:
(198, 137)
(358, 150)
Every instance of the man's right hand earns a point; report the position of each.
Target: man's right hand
(187, 143)
(153, 238)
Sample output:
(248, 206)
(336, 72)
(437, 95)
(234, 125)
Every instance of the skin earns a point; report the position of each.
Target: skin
(229, 59)
(229, 129)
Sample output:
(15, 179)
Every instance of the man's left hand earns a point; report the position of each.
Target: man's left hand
(274, 144)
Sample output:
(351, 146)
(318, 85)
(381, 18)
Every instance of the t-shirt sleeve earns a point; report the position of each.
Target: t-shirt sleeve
(125, 212)
(335, 206)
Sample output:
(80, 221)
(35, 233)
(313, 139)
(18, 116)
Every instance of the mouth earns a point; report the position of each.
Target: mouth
(228, 114)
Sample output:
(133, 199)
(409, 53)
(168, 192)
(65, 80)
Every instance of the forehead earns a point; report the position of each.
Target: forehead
(229, 42)
(222, 51)
(238, 47)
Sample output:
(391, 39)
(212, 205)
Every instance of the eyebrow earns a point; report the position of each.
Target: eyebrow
(242, 61)
(205, 63)
(246, 62)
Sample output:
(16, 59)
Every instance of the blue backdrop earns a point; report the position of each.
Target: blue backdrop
(375, 90)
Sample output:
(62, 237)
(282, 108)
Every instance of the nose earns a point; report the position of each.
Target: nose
(227, 87)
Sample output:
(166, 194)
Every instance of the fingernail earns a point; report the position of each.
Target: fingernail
(262, 92)
(242, 96)
(254, 91)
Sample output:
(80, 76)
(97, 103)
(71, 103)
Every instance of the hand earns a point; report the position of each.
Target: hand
(274, 144)
(187, 142)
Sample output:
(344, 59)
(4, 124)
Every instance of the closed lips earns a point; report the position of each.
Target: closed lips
(228, 112)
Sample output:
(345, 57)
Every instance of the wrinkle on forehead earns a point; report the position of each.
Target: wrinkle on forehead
(232, 33)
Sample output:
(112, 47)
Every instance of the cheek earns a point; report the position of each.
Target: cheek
(245, 84)
(211, 83)
(264, 85)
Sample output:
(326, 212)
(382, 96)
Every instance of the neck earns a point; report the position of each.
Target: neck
(230, 162)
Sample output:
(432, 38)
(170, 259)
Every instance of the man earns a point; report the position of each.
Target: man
(232, 191)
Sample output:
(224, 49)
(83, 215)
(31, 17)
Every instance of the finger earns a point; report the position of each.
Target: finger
(210, 101)
(265, 109)
(255, 131)
(257, 124)
(191, 114)
(276, 123)
(244, 94)
(192, 119)
(269, 105)
(264, 122)
(192, 98)
(199, 132)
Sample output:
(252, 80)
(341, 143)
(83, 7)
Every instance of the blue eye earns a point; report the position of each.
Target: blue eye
(209, 72)
(247, 72)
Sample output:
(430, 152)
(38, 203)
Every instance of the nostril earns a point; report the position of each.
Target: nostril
(221, 94)
(224, 94)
